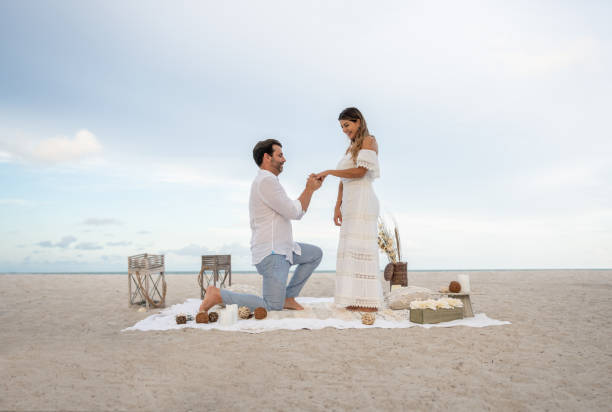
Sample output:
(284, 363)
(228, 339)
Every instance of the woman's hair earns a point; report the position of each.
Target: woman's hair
(263, 147)
(353, 114)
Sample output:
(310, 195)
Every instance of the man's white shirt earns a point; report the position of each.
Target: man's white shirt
(271, 212)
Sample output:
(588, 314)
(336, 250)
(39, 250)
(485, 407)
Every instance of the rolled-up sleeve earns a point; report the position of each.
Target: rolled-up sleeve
(273, 195)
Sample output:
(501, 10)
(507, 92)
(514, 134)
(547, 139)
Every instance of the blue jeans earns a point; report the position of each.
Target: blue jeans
(275, 269)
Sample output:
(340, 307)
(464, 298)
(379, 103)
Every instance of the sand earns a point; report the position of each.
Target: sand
(61, 348)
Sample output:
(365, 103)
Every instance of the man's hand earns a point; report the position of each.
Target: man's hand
(313, 183)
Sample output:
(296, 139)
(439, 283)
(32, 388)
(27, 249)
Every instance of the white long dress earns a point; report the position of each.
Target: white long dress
(358, 279)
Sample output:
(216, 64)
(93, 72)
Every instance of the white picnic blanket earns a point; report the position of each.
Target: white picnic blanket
(318, 313)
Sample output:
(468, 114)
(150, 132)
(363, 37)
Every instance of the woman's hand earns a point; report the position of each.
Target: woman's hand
(337, 216)
(323, 175)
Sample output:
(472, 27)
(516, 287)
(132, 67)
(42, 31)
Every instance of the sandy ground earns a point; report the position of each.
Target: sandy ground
(61, 348)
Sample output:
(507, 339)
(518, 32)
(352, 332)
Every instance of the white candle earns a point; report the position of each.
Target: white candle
(234, 311)
(464, 281)
(227, 317)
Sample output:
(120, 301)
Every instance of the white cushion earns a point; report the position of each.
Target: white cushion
(401, 298)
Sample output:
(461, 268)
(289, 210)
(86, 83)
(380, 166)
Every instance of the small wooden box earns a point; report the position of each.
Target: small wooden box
(435, 316)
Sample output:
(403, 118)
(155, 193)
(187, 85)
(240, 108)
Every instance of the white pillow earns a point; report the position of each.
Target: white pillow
(401, 298)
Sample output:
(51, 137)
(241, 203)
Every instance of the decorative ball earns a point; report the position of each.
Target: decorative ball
(181, 319)
(368, 318)
(213, 317)
(454, 287)
(202, 317)
(244, 312)
(260, 313)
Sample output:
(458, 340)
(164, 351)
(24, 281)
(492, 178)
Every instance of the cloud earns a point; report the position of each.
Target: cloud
(88, 246)
(93, 221)
(545, 59)
(118, 243)
(63, 243)
(191, 250)
(17, 202)
(63, 149)
(5, 157)
(52, 150)
(144, 232)
(194, 176)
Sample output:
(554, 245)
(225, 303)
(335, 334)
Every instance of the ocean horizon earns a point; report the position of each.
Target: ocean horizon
(253, 272)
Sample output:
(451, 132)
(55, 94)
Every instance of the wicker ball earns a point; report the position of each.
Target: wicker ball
(244, 312)
(181, 319)
(202, 317)
(213, 317)
(368, 318)
(454, 287)
(260, 313)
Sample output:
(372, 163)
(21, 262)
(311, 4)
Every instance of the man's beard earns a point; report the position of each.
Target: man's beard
(278, 166)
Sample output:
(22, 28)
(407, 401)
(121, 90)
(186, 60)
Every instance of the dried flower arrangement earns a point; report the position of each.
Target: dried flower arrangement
(389, 240)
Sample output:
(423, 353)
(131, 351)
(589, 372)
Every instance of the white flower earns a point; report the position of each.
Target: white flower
(442, 303)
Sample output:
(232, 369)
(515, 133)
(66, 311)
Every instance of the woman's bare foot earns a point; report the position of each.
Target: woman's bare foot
(361, 309)
(212, 298)
(290, 303)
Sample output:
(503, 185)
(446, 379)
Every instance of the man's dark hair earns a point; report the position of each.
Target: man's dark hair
(263, 147)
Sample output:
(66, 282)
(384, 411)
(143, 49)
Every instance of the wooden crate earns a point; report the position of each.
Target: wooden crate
(435, 316)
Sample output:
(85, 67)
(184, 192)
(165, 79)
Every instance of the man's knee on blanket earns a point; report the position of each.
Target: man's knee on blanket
(274, 304)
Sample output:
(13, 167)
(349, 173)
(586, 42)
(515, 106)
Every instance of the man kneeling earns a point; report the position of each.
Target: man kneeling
(272, 246)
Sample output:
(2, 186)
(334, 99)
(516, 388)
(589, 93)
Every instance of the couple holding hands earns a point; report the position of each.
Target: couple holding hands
(358, 283)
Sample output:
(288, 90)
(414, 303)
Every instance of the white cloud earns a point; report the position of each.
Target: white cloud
(17, 202)
(62, 149)
(5, 157)
(121, 243)
(191, 250)
(533, 59)
(88, 246)
(53, 150)
(101, 222)
(63, 243)
(171, 173)
(478, 242)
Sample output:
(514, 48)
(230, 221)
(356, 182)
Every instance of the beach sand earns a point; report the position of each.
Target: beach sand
(62, 348)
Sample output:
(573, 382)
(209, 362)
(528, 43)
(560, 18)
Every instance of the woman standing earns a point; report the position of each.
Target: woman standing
(358, 283)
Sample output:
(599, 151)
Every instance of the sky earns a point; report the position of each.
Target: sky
(128, 127)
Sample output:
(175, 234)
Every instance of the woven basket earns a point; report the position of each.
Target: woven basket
(397, 273)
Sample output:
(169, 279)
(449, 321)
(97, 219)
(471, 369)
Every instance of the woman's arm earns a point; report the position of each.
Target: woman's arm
(337, 211)
(356, 172)
(352, 173)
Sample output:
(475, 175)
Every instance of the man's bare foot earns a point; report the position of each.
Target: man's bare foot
(212, 298)
(361, 309)
(290, 303)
